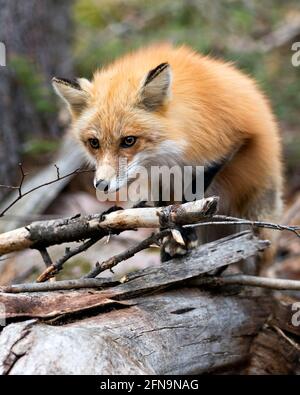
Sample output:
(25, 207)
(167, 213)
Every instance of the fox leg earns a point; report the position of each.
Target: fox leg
(172, 249)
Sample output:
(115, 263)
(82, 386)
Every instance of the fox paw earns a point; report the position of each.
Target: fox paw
(178, 243)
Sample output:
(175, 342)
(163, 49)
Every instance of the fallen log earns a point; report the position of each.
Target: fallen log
(186, 331)
(276, 349)
(152, 323)
(171, 319)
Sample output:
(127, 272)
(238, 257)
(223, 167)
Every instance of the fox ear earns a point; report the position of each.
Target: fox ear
(156, 87)
(73, 92)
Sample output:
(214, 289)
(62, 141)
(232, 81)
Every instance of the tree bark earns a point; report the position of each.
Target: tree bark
(187, 331)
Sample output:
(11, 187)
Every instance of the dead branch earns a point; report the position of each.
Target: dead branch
(22, 194)
(47, 233)
(46, 257)
(59, 285)
(217, 220)
(42, 234)
(114, 260)
(53, 269)
(200, 261)
(247, 280)
(35, 203)
(211, 281)
(283, 35)
(287, 338)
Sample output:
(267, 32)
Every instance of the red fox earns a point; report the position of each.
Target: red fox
(168, 105)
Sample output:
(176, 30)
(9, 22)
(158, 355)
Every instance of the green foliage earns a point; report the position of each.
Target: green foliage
(108, 28)
(33, 84)
(35, 146)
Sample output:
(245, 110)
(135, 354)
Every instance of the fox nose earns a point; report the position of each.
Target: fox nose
(102, 185)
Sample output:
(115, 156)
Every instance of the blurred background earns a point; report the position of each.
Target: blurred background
(71, 38)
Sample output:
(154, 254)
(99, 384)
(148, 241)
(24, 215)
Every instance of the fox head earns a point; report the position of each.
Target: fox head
(121, 119)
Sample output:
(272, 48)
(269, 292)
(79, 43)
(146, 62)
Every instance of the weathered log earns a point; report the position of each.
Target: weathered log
(154, 322)
(272, 352)
(149, 324)
(183, 331)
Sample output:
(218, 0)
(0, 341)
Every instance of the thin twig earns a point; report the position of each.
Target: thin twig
(57, 171)
(52, 270)
(247, 280)
(236, 279)
(225, 220)
(59, 285)
(46, 257)
(23, 175)
(19, 187)
(287, 338)
(116, 259)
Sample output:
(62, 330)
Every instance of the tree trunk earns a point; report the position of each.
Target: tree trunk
(37, 36)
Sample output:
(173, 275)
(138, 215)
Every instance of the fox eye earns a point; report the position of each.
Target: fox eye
(128, 141)
(94, 143)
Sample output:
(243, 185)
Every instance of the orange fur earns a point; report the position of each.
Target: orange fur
(213, 110)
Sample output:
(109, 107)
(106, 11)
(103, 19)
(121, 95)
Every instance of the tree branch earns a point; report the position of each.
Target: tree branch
(236, 279)
(46, 257)
(247, 280)
(47, 233)
(58, 285)
(116, 259)
(226, 220)
(53, 269)
(23, 175)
